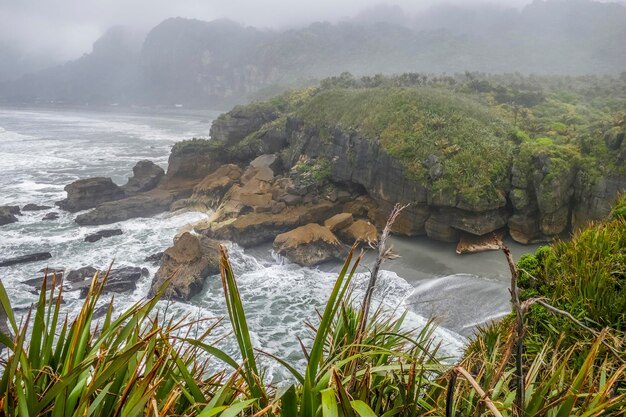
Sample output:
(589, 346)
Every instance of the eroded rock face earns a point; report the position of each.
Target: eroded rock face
(210, 191)
(308, 245)
(146, 176)
(88, 193)
(232, 127)
(187, 264)
(8, 213)
(190, 163)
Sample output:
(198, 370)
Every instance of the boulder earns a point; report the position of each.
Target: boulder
(119, 280)
(146, 176)
(359, 231)
(94, 237)
(34, 207)
(7, 214)
(33, 257)
(339, 221)
(88, 193)
(38, 282)
(186, 265)
(53, 215)
(308, 245)
(81, 274)
(267, 161)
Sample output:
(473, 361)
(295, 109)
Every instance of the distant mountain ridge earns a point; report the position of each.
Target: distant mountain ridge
(220, 63)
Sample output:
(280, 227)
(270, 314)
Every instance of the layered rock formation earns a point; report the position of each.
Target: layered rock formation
(543, 197)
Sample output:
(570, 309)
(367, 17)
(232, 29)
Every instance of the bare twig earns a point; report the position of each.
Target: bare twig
(384, 253)
(519, 332)
(483, 396)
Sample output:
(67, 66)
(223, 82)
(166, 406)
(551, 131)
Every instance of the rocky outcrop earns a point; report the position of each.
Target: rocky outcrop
(339, 221)
(146, 176)
(33, 257)
(88, 193)
(8, 213)
(190, 161)
(154, 259)
(94, 237)
(186, 265)
(360, 231)
(309, 245)
(232, 127)
(255, 228)
(210, 191)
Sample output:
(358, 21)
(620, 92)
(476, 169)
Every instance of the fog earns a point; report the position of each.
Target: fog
(58, 30)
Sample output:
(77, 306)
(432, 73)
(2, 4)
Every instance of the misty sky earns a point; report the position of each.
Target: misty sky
(65, 29)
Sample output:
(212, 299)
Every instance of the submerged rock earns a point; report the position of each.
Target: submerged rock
(53, 215)
(94, 237)
(88, 193)
(146, 176)
(81, 274)
(8, 213)
(33, 257)
(34, 207)
(118, 280)
(186, 265)
(309, 245)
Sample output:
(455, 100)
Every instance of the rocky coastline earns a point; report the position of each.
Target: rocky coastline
(314, 191)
